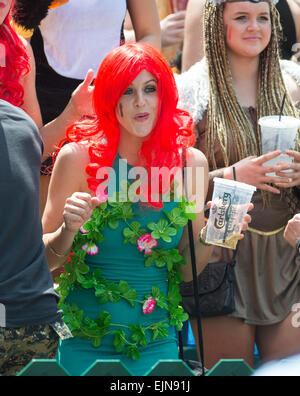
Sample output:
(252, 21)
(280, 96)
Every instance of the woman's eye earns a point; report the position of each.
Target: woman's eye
(264, 19)
(150, 88)
(241, 18)
(128, 91)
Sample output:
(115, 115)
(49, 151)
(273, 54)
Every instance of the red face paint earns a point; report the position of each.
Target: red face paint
(228, 33)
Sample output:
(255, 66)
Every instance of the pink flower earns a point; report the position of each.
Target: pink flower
(101, 193)
(146, 242)
(90, 248)
(83, 230)
(149, 306)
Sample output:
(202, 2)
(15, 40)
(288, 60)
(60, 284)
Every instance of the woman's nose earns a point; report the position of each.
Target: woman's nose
(139, 99)
(253, 25)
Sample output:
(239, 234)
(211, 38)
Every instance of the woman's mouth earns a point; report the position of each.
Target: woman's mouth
(142, 117)
(2, 5)
(252, 38)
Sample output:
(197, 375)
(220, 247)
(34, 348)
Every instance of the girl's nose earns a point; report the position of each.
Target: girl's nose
(253, 25)
(139, 99)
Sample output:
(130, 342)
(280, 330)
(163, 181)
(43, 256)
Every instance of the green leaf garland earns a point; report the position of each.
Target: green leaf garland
(77, 276)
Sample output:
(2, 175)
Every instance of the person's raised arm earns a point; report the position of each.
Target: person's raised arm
(69, 205)
(145, 21)
(79, 105)
(193, 45)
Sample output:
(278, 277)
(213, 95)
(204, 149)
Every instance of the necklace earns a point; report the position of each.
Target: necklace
(78, 276)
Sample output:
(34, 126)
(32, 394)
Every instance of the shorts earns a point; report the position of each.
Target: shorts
(19, 346)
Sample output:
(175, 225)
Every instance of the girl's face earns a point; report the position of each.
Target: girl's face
(247, 27)
(137, 108)
(4, 9)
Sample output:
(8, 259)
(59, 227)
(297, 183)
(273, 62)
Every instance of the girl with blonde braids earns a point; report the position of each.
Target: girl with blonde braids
(240, 80)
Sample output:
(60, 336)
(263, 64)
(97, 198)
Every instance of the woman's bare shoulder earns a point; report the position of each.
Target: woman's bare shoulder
(75, 154)
(196, 158)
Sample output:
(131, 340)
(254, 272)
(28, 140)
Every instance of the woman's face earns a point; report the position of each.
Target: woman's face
(247, 27)
(4, 9)
(137, 108)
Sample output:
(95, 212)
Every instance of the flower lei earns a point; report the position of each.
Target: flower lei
(77, 275)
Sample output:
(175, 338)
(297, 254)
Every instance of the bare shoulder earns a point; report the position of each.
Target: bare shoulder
(292, 87)
(75, 155)
(196, 158)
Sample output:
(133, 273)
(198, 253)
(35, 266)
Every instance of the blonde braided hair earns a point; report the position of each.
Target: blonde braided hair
(224, 111)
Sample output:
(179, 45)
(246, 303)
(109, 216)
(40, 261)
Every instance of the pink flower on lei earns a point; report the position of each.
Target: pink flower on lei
(146, 242)
(149, 306)
(90, 248)
(83, 230)
(101, 193)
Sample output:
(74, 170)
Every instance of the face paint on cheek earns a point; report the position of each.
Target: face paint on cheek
(121, 110)
(227, 33)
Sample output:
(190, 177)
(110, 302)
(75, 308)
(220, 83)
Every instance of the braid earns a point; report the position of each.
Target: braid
(225, 114)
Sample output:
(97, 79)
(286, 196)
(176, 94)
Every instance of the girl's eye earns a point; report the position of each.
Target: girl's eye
(264, 19)
(150, 88)
(241, 18)
(128, 91)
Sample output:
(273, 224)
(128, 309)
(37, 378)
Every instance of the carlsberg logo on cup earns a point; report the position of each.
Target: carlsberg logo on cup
(223, 211)
(230, 203)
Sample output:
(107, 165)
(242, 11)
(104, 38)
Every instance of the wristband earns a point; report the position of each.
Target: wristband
(65, 255)
(202, 237)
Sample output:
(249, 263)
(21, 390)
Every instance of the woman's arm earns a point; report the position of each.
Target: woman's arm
(145, 21)
(193, 45)
(69, 204)
(197, 191)
(80, 104)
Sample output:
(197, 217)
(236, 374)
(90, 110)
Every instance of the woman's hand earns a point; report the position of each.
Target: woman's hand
(247, 218)
(293, 178)
(78, 210)
(251, 170)
(172, 28)
(82, 97)
(292, 230)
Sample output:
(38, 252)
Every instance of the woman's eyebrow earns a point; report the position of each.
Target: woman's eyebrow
(152, 80)
(246, 13)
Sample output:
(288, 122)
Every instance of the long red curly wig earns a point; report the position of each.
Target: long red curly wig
(14, 63)
(172, 132)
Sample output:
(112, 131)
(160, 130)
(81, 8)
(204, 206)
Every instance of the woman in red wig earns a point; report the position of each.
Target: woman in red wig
(120, 288)
(17, 76)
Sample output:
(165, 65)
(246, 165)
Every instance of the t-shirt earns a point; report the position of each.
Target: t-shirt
(78, 35)
(27, 295)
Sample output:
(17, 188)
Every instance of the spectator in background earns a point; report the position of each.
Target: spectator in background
(30, 324)
(193, 48)
(240, 80)
(172, 21)
(74, 38)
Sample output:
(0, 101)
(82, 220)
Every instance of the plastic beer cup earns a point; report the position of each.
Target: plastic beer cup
(230, 203)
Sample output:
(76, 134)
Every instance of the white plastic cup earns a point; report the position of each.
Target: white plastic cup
(230, 203)
(278, 135)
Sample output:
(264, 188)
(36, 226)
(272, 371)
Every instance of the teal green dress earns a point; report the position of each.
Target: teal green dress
(119, 261)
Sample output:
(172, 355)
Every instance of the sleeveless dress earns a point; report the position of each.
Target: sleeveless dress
(119, 261)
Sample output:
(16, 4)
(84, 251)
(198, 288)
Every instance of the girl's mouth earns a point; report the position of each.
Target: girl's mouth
(142, 117)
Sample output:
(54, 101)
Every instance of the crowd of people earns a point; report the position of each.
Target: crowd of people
(93, 96)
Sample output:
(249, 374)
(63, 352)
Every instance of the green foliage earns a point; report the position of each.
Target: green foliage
(77, 275)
